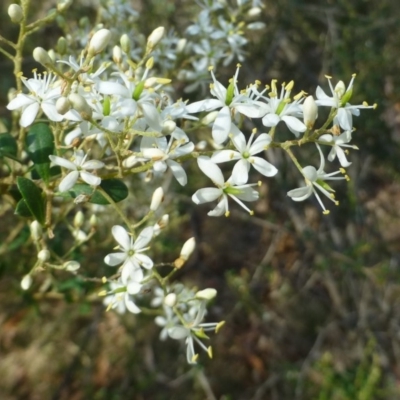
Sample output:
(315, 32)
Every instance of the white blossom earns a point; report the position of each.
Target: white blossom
(223, 190)
(337, 142)
(130, 256)
(78, 167)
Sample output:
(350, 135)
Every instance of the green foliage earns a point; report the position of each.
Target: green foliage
(32, 200)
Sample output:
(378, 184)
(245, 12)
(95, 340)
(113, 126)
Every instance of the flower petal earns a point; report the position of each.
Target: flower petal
(90, 179)
(222, 125)
(121, 237)
(211, 170)
(206, 195)
(263, 166)
(69, 181)
(144, 238)
(240, 172)
(178, 172)
(144, 261)
(114, 259)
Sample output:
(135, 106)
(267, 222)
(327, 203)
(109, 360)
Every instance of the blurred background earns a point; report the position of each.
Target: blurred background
(311, 302)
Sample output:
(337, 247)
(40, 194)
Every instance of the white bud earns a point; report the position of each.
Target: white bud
(209, 118)
(99, 41)
(71, 266)
(125, 43)
(36, 231)
(15, 13)
(26, 282)
(62, 5)
(188, 248)
(44, 255)
(157, 199)
(63, 105)
(310, 112)
(202, 145)
(117, 54)
(155, 37)
(181, 45)
(168, 127)
(79, 103)
(254, 12)
(79, 219)
(170, 300)
(340, 89)
(130, 161)
(153, 154)
(41, 56)
(80, 236)
(206, 294)
(52, 55)
(93, 221)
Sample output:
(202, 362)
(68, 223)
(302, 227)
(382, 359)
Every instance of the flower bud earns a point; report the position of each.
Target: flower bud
(130, 161)
(206, 294)
(157, 199)
(181, 45)
(209, 118)
(153, 154)
(93, 221)
(15, 13)
(79, 219)
(36, 231)
(254, 12)
(155, 37)
(99, 41)
(26, 282)
(125, 43)
(186, 251)
(188, 248)
(310, 112)
(168, 127)
(71, 266)
(170, 300)
(63, 105)
(80, 104)
(80, 236)
(63, 5)
(44, 255)
(117, 55)
(61, 45)
(41, 56)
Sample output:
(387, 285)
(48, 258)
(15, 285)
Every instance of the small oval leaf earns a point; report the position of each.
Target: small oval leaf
(33, 198)
(8, 145)
(115, 188)
(40, 144)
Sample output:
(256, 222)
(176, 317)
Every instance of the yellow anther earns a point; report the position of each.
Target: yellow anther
(227, 214)
(328, 77)
(209, 352)
(210, 68)
(251, 212)
(289, 86)
(325, 212)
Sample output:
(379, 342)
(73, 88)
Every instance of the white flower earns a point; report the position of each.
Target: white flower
(193, 331)
(229, 100)
(337, 143)
(78, 167)
(223, 190)
(163, 152)
(339, 100)
(316, 179)
(281, 108)
(130, 255)
(43, 94)
(120, 296)
(245, 154)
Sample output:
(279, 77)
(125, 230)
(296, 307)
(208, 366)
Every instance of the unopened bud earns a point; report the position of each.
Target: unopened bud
(254, 12)
(44, 255)
(93, 221)
(188, 248)
(79, 219)
(155, 37)
(79, 103)
(63, 5)
(117, 55)
(310, 112)
(170, 300)
(181, 45)
(153, 154)
(209, 118)
(15, 13)
(168, 127)
(26, 282)
(130, 161)
(206, 294)
(125, 43)
(150, 63)
(63, 105)
(61, 45)
(41, 56)
(157, 199)
(71, 266)
(99, 41)
(36, 231)
(80, 236)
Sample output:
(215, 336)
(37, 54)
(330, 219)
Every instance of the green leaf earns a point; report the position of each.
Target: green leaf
(40, 144)
(22, 209)
(33, 198)
(115, 188)
(8, 145)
